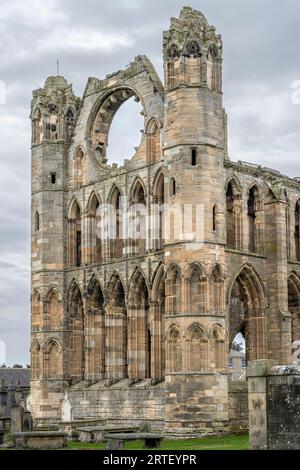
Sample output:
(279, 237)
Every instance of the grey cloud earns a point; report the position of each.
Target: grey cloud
(260, 63)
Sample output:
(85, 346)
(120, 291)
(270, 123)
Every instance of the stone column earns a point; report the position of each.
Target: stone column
(274, 406)
(278, 317)
(257, 399)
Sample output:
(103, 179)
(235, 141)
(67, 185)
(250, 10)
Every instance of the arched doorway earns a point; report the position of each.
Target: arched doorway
(246, 313)
(294, 304)
(95, 332)
(76, 339)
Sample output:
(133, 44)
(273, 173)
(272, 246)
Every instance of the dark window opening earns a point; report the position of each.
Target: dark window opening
(214, 219)
(194, 157)
(53, 178)
(37, 222)
(78, 247)
(172, 187)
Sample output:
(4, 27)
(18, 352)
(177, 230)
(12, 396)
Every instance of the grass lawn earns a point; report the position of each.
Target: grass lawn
(206, 443)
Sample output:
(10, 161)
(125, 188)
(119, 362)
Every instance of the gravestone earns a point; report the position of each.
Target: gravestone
(66, 409)
(274, 406)
(16, 416)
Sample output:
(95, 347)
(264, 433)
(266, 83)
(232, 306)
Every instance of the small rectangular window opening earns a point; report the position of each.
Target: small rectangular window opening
(53, 178)
(194, 157)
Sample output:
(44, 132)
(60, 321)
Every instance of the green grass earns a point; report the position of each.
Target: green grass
(239, 442)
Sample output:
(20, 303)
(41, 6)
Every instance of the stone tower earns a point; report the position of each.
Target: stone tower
(139, 329)
(194, 154)
(53, 112)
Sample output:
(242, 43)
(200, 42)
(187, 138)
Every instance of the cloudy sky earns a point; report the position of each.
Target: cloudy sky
(96, 37)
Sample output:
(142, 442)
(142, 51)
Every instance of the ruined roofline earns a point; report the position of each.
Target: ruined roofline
(255, 168)
(141, 63)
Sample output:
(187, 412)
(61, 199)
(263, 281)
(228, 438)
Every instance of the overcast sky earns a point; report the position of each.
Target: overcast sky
(96, 37)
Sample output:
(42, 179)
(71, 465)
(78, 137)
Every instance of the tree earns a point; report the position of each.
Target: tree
(237, 346)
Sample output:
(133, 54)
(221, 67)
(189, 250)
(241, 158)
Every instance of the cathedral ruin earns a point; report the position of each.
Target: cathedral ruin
(128, 329)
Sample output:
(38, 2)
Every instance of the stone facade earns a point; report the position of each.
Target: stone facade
(151, 320)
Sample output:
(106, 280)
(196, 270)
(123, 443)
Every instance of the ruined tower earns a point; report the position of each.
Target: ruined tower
(139, 328)
(194, 154)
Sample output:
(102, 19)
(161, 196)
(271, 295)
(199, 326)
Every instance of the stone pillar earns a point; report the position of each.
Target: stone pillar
(274, 406)
(278, 317)
(257, 399)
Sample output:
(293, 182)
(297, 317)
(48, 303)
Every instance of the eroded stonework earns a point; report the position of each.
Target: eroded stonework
(127, 330)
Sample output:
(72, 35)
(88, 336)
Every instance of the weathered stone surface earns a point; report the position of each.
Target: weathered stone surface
(40, 440)
(134, 331)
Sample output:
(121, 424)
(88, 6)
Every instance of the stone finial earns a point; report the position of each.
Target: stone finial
(191, 34)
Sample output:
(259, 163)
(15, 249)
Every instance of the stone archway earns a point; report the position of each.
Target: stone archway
(139, 331)
(116, 361)
(76, 338)
(95, 331)
(246, 312)
(294, 304)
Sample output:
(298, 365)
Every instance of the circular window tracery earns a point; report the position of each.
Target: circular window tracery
(104, 118)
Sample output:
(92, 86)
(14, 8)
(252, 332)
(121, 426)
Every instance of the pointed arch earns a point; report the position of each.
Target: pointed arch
(212, 68)
(255, 219)
(115, 242)
(158, 322)
(234, 213)
(76, 338)
(216, 289)
(36, 310)
(196, 289)
(95, 331)
(139, 328)
(79, 167)
(158, 280)
(94, 238)
(52, 123)
(138, 218)
(193, 48)
(37, 126)
(218, 348)
(173, 51)
(70, 115)
(116, 360)
(294, 304)
(196, 346)
(137, 191)
(52, 359)
(153, 139)
(54, 309)
(173, 290)
(158, 217)
(35, 367)
(74, 234)
(297, 230)
(247, 304)
(174, 349)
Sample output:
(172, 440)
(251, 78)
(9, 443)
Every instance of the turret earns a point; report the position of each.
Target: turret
(194, 154)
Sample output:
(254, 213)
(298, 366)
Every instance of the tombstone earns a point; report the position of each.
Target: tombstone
(11, 394)
(274, 406)
(27, 422)
(16, 422)
(66, 409)
(3, 393)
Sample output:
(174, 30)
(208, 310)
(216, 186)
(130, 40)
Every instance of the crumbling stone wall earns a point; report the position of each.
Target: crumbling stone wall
(166, 309)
